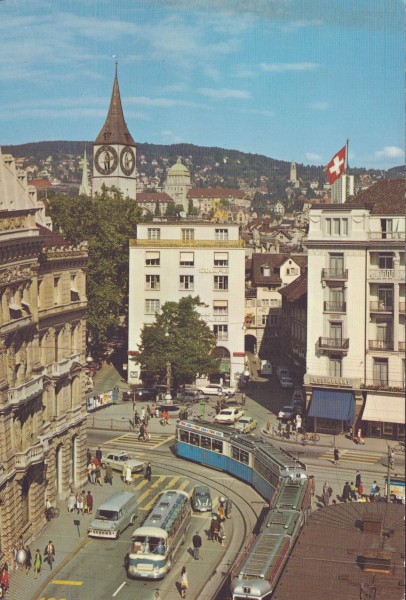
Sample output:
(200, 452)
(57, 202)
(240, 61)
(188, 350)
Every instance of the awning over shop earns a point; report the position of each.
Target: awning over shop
(331, 404)
(386, 409)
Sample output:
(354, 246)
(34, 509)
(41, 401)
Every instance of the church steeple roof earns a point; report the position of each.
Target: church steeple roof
(115, 130)
(84, 187)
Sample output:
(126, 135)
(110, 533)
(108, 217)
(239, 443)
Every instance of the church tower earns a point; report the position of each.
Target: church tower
(84, 189)
(114, 151)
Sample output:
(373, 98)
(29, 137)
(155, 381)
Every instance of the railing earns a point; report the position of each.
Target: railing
(26, 390)
(387, 274)
(334, 343)
(334, 274)
(34, 454)
(376, 306)
(384, 385)
(386, 235)
(335, 307)
(14, 324)
(380, 344)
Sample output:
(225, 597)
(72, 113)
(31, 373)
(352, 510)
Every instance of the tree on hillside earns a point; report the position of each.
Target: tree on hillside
(107, 222)
(181, 337)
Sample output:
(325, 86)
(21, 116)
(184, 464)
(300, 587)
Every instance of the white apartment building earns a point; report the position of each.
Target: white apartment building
(171, 260)
(342, 189)
(356, 313)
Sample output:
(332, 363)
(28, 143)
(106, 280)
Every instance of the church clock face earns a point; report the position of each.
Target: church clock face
(127, 160)
(106, 160)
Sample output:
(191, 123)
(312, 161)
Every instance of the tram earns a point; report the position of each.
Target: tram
(155, 543)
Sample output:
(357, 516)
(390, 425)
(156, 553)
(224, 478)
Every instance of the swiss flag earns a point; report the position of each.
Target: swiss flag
(336, 166)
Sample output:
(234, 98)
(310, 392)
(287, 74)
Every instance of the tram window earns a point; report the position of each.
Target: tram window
(205, 442)
(194, 439)
(184, 436)
(235, 453)
(244, 457)
(217, 446)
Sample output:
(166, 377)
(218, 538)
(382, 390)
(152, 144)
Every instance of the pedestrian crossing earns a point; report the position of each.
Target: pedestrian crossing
(355, 456)
(130, 442)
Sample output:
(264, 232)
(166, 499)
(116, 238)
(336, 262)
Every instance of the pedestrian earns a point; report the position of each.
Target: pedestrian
(28, 559)
(153, 411)
(157, 412)
(71, 502)
(37, 563)
(79, 502)
(197, 544)
(336, 456)
(360, 488)
(93, 474)
(312, 485)
(243, 400)
(88, 456)
(146, 420)
(229, 506)
(391, 458)
(372, 491)
(98, 476)
(15, 556)
(357, 479)
(183, 582)
(157, 596)
(141, 434)
(143, 415)
(325, 486)
(377, 495)
(214, 528)
(287, 430)
(326, 497)
(346, 492)
(109, 475)
(4, 578)
(128, 475)
(360, 439)
(298, 423)
(49, 553)
(99, 455)
(148, 472)
(89, 502)
(353, 492)
(221, 515)
(222, 534)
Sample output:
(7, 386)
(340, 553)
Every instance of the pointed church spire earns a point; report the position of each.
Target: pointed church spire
(115, 130)
(84, 189)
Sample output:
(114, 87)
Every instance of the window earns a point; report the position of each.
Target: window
(384, 331)
(221, 332)
(74, 292)
(220, 307)
(221, 259)
(187, 259)
(380, 371)
(151, 306)
(336, 226)
(385, 297)
(57, 290)
(264, 320)
(188, 234)
(152, 259)
(186, 282)
(221, 234)
(387, 228)
(152, 282)
(344, 226)
(221, 282)
(385, 261)
(335, 366)
(328, 226)
(336, 333)
(336, 264)
(154, 234)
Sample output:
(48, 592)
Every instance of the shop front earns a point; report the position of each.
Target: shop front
(331, 411)
(384, 417)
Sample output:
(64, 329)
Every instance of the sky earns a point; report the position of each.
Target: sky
(290, 79)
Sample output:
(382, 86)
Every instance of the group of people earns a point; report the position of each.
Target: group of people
(4, 581)
(217, 531)
(81, 502)
(295, 425)
(352, 491)
(93, 466)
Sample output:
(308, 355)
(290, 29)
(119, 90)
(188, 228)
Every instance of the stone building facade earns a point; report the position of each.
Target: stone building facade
(42, 340)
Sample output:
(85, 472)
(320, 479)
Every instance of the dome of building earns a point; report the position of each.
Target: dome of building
(179, 169)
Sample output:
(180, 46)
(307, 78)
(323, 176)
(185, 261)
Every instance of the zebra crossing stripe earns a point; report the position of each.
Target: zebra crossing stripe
(158, 481)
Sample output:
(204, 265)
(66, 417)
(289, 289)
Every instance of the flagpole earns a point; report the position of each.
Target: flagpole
(346, 170)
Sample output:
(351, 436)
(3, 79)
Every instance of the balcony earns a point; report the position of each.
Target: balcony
(62, 367)
(25, 391)
(387, 274)
(334, 344)
(34, 455)
(334, 274)
(380, 307)
(335, 307)
(380, 344)
(386, 235)
(382, 385)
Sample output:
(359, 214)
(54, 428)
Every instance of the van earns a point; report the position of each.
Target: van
(113, 516)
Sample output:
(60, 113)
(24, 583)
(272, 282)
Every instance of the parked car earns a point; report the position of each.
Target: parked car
(286, 382)
(229, 415)
(145, 394)
(214, 389)
(245, 424)
(282, 371)
(118, 459)
(191, 396)
(289, 412)
(266, 367)
(201, 498)
(297, 398)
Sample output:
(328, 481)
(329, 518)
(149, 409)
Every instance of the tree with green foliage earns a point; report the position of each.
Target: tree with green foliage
(181, 337)
(108, 221)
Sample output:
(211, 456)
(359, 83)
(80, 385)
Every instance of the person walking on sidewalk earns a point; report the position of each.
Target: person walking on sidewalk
(37, 563)
(109, 474)
(197, 544)
(336, 456)
(49, 553)
(357, 479)
(229, 506)
(148, 472)
(183, 582)
(99, 454)
(89, 502)
(28, 559)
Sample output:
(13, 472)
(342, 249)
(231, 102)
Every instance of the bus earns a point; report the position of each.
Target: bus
(155, 543)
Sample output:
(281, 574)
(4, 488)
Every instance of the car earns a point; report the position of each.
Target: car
(215, 389)
(201, 499)
(145, 394)
(190, 396)
(297, 398)
(245, 424)
(286, 382)
(118, 459)
(229, 416)
(288, 413)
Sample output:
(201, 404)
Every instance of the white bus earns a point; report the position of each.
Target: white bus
(154, 544)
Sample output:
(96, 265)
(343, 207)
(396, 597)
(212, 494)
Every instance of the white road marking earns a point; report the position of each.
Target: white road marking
(119, 588)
